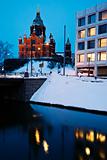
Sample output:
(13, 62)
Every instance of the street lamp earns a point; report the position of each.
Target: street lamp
(31, 56)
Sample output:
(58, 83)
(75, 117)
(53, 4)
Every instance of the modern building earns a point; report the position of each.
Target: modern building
(35, 45)
(91, 40)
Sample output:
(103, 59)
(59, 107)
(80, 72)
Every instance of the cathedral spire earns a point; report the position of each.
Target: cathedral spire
(38, 11)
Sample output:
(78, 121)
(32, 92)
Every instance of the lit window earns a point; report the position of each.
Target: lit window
(102, 56)
(91, 44)
(92, 31)
(81, 45)
(80, 58)
(81, 34)
(102, 42)
(91, 56)
(81, 21)
(91, 18)
(103, 15)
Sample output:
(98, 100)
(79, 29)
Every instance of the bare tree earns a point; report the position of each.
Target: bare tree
(5, 51)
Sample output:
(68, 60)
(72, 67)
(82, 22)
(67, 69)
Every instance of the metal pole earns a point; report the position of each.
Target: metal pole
(64, 49)
(31, 57)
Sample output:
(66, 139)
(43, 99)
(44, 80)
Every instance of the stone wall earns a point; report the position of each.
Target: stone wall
(19, 89)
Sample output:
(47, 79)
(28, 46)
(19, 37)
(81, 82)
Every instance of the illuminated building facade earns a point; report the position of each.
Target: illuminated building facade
(91, 40)
(35, 45)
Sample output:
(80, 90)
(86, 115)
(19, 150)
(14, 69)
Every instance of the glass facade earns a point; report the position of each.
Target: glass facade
(102, 42)
(91, 18)
(81, 34)
(91, 44)
(91, 56)
(92, 31)
(81, 21)
(81, 45)
(102, 56)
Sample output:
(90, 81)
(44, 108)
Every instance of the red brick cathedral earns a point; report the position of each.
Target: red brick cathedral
(35, 45)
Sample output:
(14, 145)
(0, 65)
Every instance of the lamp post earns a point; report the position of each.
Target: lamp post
(31, 57)
(64, 49)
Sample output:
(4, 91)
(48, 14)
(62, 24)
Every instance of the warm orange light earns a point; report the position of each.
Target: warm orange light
(102, 154)
(79, 134)
(39, 48)
(90, 136)
(37, 136)
(47, 43)
(45, 146)
(100, 137)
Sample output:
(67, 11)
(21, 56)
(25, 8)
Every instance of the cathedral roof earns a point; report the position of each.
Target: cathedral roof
(38, 21)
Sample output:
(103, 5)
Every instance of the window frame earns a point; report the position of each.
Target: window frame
(89, 35)
(79, 58)
(88, 45)
(99, 56)
(79, 33)
(100, 44)
(80, 21)
(83, 42)
(90, 21)
(91, 57)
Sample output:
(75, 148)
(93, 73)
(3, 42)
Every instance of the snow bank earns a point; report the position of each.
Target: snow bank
(84, 92)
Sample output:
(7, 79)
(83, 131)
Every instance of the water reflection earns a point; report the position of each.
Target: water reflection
(91, 145)
(65, 140)
(46, 133)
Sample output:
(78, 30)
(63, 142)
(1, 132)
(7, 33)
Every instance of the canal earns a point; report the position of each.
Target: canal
(34, 132)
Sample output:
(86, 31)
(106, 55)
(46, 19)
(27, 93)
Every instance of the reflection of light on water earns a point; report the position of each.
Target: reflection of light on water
(100, 137)
(87, 151)
(45, 146)
(90, 136)
(37, 136)
(102, 154)
(79, 134)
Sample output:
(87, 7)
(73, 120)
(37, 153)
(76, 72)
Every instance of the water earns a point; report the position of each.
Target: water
(34, 132)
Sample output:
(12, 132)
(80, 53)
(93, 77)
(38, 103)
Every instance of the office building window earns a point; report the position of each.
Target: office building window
(92, 31)
(81, 21)
(91, 44)
(81, 45)
(102, 42)
(102, 29)
(91, 57)
(102, 56)
(80, 58)
(103, 15)
(91, 18)
(81, 34)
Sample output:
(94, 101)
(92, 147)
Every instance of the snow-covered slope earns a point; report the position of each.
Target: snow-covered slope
(84, 92)
(45, 69)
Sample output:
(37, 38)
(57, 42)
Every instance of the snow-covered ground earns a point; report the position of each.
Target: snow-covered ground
(84, 92)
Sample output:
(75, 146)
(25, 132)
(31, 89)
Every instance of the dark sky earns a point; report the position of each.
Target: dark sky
(16, 16)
